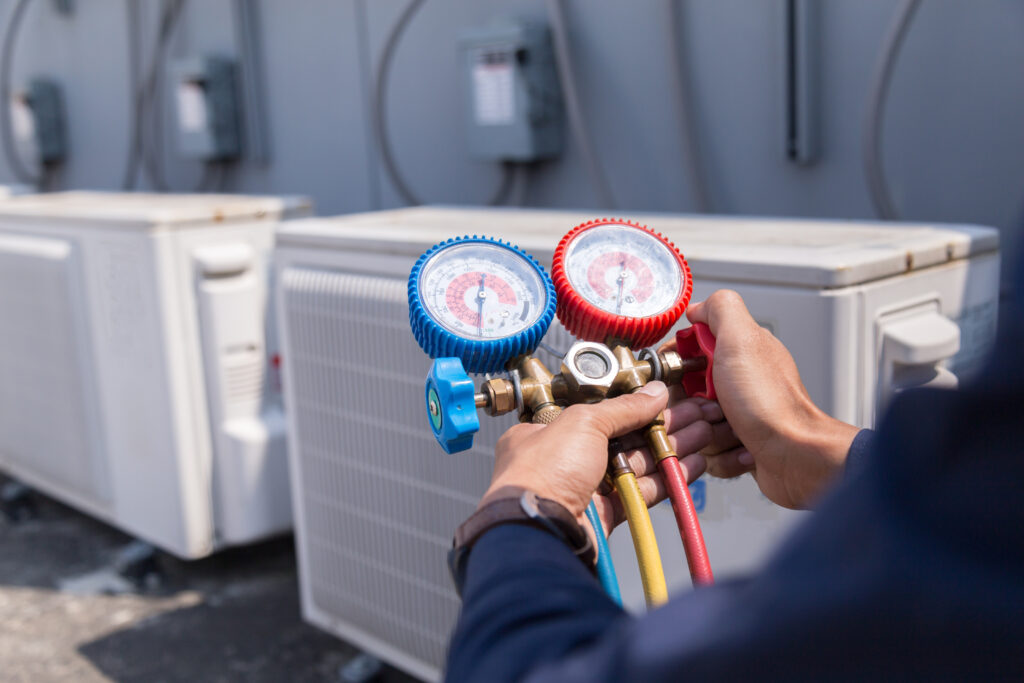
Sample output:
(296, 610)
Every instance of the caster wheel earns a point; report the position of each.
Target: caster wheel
(362, 668)
(17, 503)
(139, 563)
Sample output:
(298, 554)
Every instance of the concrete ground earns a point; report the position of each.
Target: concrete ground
(66, 615)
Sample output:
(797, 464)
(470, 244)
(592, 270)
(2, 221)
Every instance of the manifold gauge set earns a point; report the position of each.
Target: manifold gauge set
(480, 305)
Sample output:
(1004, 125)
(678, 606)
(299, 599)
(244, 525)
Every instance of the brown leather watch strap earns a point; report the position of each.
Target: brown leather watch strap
(525, 507)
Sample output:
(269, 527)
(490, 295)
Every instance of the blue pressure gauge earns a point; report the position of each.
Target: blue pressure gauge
(480, 300)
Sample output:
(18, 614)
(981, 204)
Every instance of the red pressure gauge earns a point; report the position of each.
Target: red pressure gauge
(618, 279)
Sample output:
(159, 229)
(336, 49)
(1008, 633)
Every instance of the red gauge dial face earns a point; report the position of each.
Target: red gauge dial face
(615, 273)
(482, 291)
(623, 270)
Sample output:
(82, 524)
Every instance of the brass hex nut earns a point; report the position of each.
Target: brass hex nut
(589, 370)
(671, 367)
(501, 396)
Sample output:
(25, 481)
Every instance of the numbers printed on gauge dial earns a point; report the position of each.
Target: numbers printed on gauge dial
(482, 291)
(623, 270)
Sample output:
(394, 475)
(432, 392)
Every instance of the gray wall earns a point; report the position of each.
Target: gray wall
(954, 129)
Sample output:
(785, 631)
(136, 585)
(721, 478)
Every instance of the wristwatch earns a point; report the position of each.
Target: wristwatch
(520, 507)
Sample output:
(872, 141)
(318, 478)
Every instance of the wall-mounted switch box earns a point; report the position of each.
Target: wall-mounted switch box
(206, 105)
(37, 119)
(513, 98)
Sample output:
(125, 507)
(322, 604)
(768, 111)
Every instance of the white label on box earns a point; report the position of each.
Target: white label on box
(494, 88)
(23, 125)
(191, 107)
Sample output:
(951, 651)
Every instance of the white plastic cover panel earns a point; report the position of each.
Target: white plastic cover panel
(146, 211)
(787, 252)
(44, 417)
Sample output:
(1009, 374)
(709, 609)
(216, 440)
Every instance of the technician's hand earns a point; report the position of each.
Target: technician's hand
(566, 460)
(793, 448)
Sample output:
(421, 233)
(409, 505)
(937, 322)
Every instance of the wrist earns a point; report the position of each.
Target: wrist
(817, 446)
(515, 505)
(509, 482)
(832, 440)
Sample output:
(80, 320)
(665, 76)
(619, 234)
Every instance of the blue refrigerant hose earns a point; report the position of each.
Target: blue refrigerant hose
(605, 567)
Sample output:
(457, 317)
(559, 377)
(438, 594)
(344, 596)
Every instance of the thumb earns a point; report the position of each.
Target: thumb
(622, 414)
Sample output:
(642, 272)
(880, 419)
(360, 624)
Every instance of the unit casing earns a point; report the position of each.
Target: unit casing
(865, 308)
(46, 102)
(514, 106)
(136, 367)
(208, 117)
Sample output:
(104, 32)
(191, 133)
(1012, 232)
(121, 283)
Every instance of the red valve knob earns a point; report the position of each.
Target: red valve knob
(697, 341)
(589, 268)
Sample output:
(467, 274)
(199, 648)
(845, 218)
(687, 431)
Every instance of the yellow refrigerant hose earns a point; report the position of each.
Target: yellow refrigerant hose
(644, 542)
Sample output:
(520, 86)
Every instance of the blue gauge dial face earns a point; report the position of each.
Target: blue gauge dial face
(482, 291)
(623, 270)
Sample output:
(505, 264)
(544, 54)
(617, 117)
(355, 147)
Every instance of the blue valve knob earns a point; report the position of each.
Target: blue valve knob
(451, 406)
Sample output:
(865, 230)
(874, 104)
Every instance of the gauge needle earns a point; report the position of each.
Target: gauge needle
(480, 296)
(622, 281)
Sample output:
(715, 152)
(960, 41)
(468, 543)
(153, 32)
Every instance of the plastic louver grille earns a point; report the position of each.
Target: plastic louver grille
(380, 498)
(245, 380)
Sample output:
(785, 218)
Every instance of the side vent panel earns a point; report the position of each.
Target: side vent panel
(380, 498)
(47, 428)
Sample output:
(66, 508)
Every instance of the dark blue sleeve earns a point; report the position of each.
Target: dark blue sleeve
(515, 573)
(859, 449)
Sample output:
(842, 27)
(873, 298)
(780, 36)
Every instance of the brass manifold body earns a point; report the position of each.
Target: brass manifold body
(590, 372)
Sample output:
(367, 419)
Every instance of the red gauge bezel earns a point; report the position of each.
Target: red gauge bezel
(588, 322)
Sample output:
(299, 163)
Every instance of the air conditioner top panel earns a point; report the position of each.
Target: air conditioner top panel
(7, 191)
(149, 211)
(783, 251)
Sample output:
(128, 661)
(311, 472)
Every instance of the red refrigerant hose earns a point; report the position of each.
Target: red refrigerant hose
(686, 520)
(695, 341)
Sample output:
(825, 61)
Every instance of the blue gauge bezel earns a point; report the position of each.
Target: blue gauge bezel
(477, 355)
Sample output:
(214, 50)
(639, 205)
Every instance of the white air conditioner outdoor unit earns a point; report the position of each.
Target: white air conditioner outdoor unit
(136, 368)
(865, 308)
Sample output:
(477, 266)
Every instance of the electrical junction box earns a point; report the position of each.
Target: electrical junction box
(207, 108)
(863, 307)
(513, 98)
(37, 120)
(138, 362)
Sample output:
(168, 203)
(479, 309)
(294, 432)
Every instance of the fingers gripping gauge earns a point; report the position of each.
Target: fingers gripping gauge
(618, 279)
